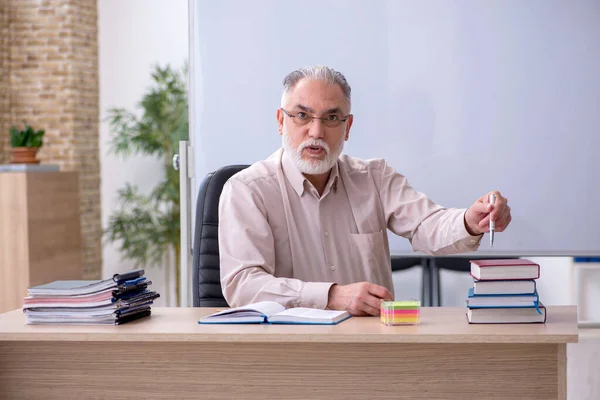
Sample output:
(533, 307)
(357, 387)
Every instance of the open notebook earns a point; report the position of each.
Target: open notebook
(268, 312)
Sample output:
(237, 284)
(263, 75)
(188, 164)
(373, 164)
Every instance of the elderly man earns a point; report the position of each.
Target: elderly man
(307, 226)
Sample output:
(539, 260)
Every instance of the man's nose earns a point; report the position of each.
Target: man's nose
(316, 129)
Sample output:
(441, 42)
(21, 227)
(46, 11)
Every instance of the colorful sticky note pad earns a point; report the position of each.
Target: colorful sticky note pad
(406, 312)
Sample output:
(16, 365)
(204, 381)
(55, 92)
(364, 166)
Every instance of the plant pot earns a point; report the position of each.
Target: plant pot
(24, 155)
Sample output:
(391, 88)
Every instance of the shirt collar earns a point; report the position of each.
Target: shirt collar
(298, 180)
(292, 173)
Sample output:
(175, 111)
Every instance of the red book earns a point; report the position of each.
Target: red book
(504, 269)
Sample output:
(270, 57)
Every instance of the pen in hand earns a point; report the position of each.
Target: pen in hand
(492, 223)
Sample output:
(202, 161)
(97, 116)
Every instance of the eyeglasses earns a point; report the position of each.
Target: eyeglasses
(331, 121)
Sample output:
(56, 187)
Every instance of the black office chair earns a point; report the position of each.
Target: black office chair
(206, 290)
(457, 263)
(401, 263)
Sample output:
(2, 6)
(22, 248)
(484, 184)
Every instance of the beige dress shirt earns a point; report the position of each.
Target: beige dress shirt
(280, 241)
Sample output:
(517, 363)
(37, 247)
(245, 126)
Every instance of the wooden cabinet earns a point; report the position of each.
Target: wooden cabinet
(40, 232)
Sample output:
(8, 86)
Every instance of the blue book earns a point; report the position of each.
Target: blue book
(507, 315)
(270, 312)
(502, 300)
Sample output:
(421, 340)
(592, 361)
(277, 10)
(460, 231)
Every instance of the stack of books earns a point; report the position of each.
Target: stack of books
(113, 301)
(504, 292)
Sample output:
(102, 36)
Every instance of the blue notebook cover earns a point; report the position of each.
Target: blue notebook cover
(532, 304)
(473, 295)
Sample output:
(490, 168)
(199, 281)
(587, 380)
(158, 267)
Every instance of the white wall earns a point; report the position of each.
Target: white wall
(583, 364)
(133, 36)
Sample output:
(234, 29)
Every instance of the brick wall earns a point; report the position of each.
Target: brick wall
(53, 84)
(4, 80)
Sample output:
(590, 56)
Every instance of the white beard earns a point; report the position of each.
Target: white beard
(312, 166)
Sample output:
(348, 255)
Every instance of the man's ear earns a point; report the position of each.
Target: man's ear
(349, 125)
(279, 115)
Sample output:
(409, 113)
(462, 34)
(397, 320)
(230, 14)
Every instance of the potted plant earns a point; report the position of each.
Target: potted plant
(25, 144)
(146, 225)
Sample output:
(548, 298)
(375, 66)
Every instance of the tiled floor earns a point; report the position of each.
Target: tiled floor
(583, 366)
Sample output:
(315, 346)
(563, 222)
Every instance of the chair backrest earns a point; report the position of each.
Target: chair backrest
(206, 290)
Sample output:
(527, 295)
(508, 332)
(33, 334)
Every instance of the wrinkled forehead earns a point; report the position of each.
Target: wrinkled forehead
(316, 95)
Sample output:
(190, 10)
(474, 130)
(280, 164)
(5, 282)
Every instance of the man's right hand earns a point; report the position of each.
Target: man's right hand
(357, 298)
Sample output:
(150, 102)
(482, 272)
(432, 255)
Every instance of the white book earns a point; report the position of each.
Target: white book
(504, 269)
(269, 312)
(504, 287)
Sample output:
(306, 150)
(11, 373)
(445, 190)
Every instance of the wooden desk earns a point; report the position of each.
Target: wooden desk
(170, 356)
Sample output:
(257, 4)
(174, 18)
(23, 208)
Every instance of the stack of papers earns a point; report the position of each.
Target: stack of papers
(113, 301)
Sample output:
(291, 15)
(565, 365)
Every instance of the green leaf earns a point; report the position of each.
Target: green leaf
(136, 225)
(27, 137)
(36, 139)
(16, 139)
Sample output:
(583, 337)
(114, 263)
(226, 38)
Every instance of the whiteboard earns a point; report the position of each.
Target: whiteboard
(461, 97)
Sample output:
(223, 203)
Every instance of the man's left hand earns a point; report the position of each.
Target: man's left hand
(477, 217)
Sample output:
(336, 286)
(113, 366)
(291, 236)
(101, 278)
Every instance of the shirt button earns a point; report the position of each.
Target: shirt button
(332, 267)
(326, 234)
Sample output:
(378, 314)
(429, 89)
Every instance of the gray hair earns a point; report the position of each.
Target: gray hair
(317, 72)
